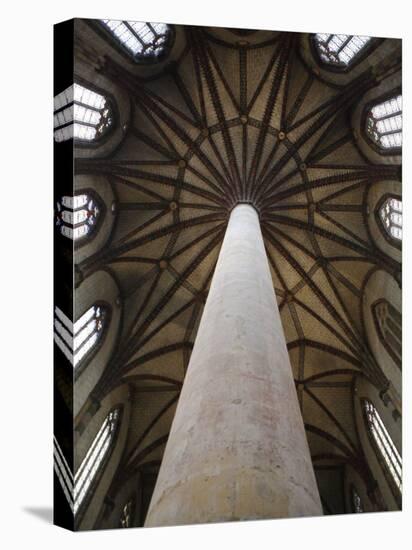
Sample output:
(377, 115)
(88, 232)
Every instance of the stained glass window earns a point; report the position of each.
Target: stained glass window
(339, 49)
(98, 451)
(391, 216)
(383, 444)
(77, 339)
(81, 113)
(384, 123)
(76, 216)
(141, 40)
(389, 325)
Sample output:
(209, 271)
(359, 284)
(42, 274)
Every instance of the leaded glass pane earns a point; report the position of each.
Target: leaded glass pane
(76, 216)
(384, 443)
(76, 340)
(339, 49)
(391, 216)
(141, 40)
(97, 452)
(384, 123)
(80, 113)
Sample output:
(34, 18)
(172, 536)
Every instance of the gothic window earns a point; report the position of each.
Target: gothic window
(76, 217)
(78, 339)
(143, 41)
(63, 472)
(391, 216)
(384, 447)
(339, 50)
(81, 114)
(126, 516)
(388, 323)
(384, 123)
(357, 507)
(98, 452)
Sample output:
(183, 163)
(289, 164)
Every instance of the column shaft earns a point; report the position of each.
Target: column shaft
(237, 447)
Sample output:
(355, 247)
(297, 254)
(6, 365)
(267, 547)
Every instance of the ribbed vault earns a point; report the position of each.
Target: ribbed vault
(234, 121)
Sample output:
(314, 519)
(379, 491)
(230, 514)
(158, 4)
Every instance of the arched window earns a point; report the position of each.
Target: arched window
(390, 214)
(384, 123)
(95, 458)
(388, 323)
(63, 472)
(385, 449)
(76, 217)
(78, 339)
(339, 50)
(81, 114)
(143, 41)
(356, 502)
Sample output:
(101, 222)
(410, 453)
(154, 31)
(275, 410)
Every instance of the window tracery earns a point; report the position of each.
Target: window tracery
(384, 446)
(98, 452)
(81, 114)
(388, 322)
(76, 217)
(384, 123)
(77, 339)
(143, 41)
(391, 216)
(339, 50)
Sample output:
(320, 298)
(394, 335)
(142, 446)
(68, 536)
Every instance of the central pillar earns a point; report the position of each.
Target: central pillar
(237, 448)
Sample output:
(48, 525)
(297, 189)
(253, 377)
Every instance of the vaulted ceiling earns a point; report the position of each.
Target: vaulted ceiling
(240, 119)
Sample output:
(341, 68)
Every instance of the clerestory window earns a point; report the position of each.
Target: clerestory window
(142, 41)
(340, 50)
(391, 216)
(77, 339)
(81, 114)
(385, 449)
(384, 123)
(76, 217)
(95, 458)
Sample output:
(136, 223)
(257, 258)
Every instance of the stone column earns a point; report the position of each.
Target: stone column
(237, 448)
